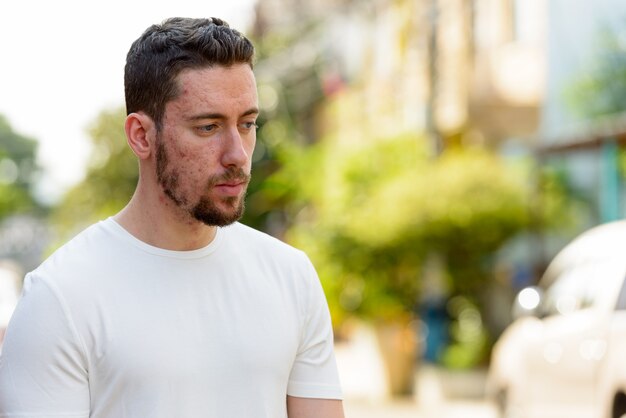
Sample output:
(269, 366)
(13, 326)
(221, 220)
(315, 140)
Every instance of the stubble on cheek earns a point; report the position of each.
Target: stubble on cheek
(168, 179)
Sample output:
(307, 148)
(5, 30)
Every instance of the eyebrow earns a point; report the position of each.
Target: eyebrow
(251, 111)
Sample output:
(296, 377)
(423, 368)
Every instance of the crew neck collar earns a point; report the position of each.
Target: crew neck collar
(114, 227)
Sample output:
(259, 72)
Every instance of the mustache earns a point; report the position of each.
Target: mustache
(232, 174)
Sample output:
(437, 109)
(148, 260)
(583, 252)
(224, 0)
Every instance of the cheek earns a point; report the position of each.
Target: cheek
(199, 163)
(192, 160)
(183, 153)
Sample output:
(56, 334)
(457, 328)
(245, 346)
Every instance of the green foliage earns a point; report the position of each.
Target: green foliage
(371, 214)
(14, 200)
(18, 171)
(110, 180)
(600, 89)
(468, 335)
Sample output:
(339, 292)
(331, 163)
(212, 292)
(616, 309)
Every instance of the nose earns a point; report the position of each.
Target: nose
(235, 152)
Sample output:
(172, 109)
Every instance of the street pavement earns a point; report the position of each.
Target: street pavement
(409, 409)
(431, 400)
(438, 393)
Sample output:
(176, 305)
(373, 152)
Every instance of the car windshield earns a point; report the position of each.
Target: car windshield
(581, 286)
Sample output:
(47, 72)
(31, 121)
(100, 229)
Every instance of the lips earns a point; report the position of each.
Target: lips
(230, 188)
(231, 183)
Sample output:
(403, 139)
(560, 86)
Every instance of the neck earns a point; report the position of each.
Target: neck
(154, 219)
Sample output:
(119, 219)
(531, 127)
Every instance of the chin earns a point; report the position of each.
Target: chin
(210, 214)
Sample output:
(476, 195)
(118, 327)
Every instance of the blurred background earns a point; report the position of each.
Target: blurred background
(431, 157)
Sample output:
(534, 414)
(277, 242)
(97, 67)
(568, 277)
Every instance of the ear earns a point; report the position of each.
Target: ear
(140, 131)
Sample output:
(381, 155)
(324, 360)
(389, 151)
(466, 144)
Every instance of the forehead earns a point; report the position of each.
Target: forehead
(224, 89)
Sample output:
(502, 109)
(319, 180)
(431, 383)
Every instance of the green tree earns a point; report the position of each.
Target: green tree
(109, 182)
(372, 215)
(18, 171)
(600, 88)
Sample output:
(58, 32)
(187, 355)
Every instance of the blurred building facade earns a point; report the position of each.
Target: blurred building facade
(585, 147)
(509, 68)
(461, 72)
(457, 72)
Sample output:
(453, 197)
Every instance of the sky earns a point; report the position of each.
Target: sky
(62, 63)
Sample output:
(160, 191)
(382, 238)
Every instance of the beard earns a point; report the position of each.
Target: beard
(205, 210)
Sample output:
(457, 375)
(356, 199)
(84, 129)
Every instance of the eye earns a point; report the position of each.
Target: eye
(206, 128)
(249, 125)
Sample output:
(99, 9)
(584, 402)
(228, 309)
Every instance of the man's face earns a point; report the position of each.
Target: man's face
(204, 150)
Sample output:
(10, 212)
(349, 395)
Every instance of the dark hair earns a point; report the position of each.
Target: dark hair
(163, 51)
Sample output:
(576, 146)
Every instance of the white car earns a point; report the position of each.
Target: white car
(567, 358)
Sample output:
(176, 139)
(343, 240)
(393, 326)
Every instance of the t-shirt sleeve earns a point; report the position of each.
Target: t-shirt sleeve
(43, 369)
(314, 373)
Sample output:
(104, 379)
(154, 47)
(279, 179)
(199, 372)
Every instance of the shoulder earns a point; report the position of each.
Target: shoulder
(82, 254)
(268, 254)
(261, 242)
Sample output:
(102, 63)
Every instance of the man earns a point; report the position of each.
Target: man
(171, 308)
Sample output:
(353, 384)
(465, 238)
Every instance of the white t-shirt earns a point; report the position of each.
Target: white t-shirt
(111, 327)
